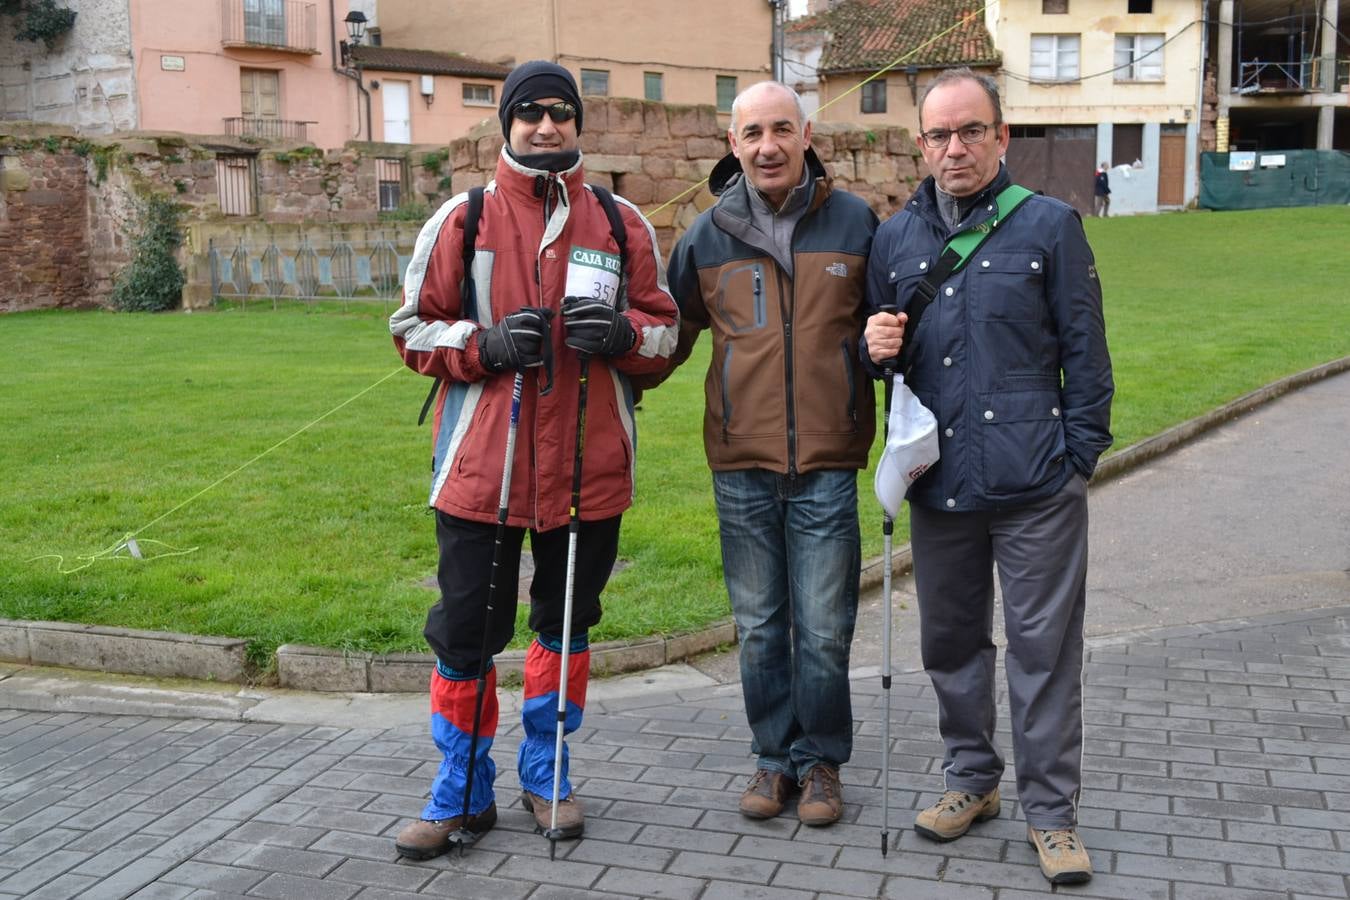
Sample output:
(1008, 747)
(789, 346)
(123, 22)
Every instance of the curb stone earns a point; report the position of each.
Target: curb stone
(173, 655)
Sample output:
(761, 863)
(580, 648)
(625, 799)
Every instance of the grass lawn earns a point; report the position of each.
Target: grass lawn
(120, 423)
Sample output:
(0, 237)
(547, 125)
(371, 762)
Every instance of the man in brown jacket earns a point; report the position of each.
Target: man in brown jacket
(775, 270)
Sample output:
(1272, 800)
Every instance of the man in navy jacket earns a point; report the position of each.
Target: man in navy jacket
(1011, 357)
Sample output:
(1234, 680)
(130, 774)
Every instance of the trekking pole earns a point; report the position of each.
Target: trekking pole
(887, 531)
(462, 836)
(573, 531)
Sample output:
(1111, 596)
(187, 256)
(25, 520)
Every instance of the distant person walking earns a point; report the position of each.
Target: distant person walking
(1101, 192)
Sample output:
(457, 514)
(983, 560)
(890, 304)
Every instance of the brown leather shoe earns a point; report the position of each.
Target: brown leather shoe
(953, 815)
(822, 799)
(571, 815)
(765, 795)
(425, 839)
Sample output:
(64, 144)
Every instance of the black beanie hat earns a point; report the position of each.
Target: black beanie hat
(533, 81)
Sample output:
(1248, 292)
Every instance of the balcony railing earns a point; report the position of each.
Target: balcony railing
(281, 24)
(1263, 75)
(263, 127)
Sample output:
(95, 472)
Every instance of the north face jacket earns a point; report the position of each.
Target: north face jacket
(541, 237)
(785, 391)
(1011, 357)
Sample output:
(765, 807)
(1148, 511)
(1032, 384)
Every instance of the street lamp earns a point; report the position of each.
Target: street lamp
(356, 26)
(356, 29)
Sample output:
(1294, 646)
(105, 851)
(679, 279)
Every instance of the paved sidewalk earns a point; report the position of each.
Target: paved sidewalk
(1217, 758)
(1218, 766)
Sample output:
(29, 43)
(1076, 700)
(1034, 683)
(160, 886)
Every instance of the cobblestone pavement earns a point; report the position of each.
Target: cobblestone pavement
(1217, 766)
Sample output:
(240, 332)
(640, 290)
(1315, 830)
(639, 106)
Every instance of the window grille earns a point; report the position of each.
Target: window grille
(237, 184)
(389, 175)
(479, 95)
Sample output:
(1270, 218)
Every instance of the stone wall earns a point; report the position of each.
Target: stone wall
(44, 247)
(657, 154)
(68, 203)
(68, 210)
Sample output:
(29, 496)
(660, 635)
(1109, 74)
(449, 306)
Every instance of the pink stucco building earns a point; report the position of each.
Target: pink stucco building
(275, 69)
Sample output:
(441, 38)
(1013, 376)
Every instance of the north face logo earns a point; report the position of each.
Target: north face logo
(838, 269)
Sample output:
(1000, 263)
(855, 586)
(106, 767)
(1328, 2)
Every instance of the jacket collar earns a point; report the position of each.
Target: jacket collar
(729, 184)
(524, 184)
(924, 202)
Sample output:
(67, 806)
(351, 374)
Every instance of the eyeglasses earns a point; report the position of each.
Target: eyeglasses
(532, 112)
(939, 138)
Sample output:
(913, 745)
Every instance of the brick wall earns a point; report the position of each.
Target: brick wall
(44, 240)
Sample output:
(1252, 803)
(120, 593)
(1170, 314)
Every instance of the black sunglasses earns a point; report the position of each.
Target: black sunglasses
(532, 112)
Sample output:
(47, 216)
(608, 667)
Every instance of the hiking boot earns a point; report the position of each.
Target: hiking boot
(766, 795)
(571, 817)
(953, 815)
(425, 839)
(822, 799)
(1063, 858)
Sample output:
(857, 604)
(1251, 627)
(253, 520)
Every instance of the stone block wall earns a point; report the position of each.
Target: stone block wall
(68, 203)
(44, 247)
(657, 155)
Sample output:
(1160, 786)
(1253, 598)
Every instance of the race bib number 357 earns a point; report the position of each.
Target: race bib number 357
(593, 273)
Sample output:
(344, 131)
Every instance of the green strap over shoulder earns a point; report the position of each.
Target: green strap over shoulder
(965, 243)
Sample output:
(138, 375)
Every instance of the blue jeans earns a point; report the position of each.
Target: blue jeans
(791, 558)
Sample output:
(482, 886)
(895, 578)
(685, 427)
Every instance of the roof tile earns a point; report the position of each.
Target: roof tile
(872, 34)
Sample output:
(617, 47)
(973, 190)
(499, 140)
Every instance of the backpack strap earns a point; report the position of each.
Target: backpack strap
(617, 228)
(955, 255)
(472, 213)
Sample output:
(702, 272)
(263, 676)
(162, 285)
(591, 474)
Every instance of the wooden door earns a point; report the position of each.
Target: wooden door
(1172, 169)
(259, 94)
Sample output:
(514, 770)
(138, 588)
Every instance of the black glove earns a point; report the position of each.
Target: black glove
(518, 341)
(595, 327)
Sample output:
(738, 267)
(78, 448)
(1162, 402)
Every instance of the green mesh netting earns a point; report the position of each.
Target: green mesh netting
(1307, 178)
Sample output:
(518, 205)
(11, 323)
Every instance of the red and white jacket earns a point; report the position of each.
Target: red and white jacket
(539, 235)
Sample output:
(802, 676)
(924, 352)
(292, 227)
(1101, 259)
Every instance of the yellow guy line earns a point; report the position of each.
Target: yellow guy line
(127, 540)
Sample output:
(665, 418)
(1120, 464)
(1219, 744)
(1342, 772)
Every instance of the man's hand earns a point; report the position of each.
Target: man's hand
(595, 327)
(518, 341)
(885, 332)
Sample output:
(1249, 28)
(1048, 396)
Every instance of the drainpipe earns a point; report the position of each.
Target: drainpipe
(354, 76)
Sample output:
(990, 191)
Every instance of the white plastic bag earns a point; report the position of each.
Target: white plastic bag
(911, 448)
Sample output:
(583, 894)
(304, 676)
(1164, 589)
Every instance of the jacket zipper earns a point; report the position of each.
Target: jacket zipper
(786, 306)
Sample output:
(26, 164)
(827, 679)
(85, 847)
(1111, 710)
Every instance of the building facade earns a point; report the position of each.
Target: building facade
(1283, 74)
(702, 51)
(1114, 81)
(834, 55)
(265, 70)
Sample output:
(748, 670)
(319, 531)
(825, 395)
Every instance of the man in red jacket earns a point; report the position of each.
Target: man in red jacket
(543, 235)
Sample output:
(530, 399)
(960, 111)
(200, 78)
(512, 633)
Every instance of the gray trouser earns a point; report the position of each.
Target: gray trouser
(1041, 553)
